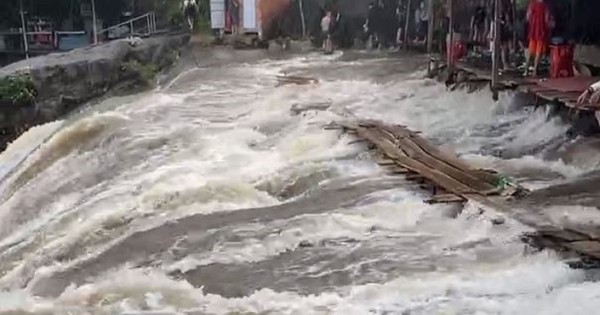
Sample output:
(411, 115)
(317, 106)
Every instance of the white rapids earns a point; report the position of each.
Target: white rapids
(221, 141)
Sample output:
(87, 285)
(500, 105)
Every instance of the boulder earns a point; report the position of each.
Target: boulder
(64, 81)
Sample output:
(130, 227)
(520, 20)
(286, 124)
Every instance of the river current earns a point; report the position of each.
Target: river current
(208, 195)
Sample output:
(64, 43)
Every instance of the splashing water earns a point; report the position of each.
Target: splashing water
(210, 197)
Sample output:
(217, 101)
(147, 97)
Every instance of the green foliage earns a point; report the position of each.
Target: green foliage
(17, 89)
(522, 4)
(145, 73)
(168, 10)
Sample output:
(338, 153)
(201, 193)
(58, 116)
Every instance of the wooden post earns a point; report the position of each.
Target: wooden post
(513, 13)
(496, 49)
(95, 27)
(301, 4)
(407, 23)
(24, 30)
(450, 39)
(430, 10)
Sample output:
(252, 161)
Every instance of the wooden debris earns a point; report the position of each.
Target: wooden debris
(413, 176)
(400, 170)
(446, 198)
(297, 80)
(296, 109)
(386, 162)
(454, 181)
(590, 248)
(357, 141)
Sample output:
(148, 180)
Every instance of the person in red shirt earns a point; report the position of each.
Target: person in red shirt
(538, 17)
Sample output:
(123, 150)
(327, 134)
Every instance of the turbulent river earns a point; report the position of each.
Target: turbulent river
(209, 196)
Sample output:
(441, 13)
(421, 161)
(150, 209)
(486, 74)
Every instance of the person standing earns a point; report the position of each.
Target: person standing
(190, 11)
(400, 17)
(424, 19)
(235, 16)
(417, 17)
(478, 23)
(506, 35)
(326, 29)
(538, 17)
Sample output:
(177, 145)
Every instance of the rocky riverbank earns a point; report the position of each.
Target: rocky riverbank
(45, 88)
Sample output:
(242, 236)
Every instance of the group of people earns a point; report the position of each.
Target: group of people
(381, 24)
(386, 22)
(531, 34)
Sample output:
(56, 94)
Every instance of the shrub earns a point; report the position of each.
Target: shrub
(17, 89)
(145, 73)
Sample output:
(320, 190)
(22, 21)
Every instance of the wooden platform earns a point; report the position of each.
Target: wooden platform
(563, 90)
(406, 150)
(452, 180)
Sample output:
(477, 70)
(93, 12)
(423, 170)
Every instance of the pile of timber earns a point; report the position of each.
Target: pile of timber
(453, 180)
(405, 152)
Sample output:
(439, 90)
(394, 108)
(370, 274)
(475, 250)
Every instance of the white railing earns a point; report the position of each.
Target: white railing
(148, 29)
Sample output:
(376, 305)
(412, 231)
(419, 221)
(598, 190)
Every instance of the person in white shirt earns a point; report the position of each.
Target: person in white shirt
(326, 27)
(326, 23)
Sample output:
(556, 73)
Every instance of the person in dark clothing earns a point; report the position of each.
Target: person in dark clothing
(506, 31)
(400, 23)
(478, 23)
(373, 23)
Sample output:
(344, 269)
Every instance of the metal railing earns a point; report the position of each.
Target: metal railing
(148, 29)
(49, 42)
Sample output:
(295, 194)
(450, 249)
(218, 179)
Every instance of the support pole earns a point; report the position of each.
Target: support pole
(496, 49)
(95, 22)
(450, 39)
(301, 5)
(430, 13)
(513, 13)
(407, 23)
(24, 30)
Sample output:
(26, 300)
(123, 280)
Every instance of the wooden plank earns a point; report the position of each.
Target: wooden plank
(400, 170)
(411, 157)
(386, 162)
(446, 198)
(414, 176)
(590, 248)
(448, 183)
(417, 153)
(561, 234)
(448, 158)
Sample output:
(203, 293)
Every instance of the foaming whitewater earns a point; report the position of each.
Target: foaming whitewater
(209, 196)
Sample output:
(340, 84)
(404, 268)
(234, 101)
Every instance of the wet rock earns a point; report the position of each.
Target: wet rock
(64, 81)
(305, 244)
(498, 220)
